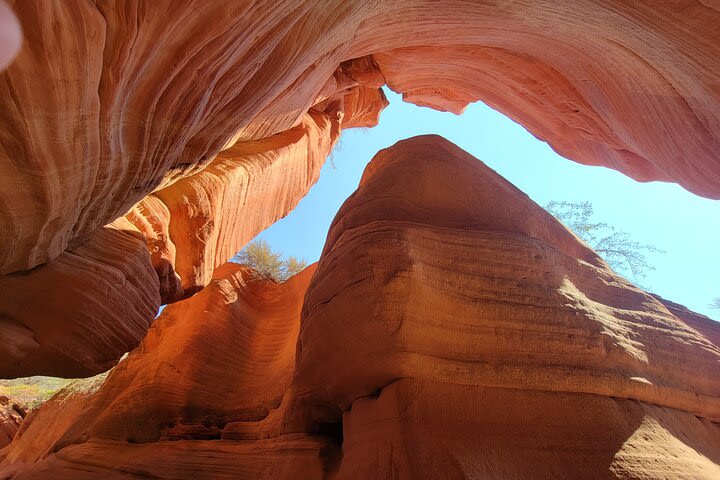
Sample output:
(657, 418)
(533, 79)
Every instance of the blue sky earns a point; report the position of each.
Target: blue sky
(662, 214)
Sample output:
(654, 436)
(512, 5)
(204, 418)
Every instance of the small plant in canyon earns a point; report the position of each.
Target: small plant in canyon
(715, 303)
(268, 263)
(625, 255)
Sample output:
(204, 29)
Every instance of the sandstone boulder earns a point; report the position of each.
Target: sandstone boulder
(457, 330)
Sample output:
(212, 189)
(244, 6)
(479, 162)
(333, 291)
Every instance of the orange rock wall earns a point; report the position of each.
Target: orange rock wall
(424, 429)
(203, 396)
(496, 344)
(78, 314)
(473, 283)
(201, 221)
(452, 329)
(143, 143)
(189, 228)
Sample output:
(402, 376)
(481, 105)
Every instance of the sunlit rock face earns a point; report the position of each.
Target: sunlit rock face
(201, 221)
(452, 329)
(11, 416)
(203, 396)
(457, 260)
(450, 315)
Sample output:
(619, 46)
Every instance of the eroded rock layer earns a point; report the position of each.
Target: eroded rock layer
(500, 346)
(205, 121)
(91, 314)
(201, 221)
(78, 314)
(517, 300)
(452, 329)
(203, 396)
(465, 432)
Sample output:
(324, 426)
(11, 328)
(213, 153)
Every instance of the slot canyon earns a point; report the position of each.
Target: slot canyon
(451, 329)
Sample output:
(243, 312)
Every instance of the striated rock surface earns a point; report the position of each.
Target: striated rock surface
(452, 329)
(201, 221)
(205, 121)
(203, 396)
(87, 321)
(108, 103)
(425, 429)
(500, 346)
(11, 416)
(516, 297)
(78, 314)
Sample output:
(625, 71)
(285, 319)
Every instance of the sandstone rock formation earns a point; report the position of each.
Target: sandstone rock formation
(77, 314)
(500, 346)
(201, 221)
(107, 103)
(597, 333)
(452, 329)
(159, 111)
(203, 396)
(11, 416)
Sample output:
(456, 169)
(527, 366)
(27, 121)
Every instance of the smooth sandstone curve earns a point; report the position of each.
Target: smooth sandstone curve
(516, 299)
(450, 315)
(203, 396)
(189, 228)
(78, 314)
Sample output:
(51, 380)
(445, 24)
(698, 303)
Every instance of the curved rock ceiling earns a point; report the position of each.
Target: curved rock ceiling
(109, 102)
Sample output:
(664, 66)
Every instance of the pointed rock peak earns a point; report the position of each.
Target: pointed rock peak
(429, 180)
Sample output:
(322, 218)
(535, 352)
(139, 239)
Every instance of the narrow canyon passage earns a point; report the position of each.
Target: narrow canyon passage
(451, 328)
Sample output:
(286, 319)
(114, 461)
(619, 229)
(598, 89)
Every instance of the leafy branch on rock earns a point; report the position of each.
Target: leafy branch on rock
(625, 255)
(268, 263)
